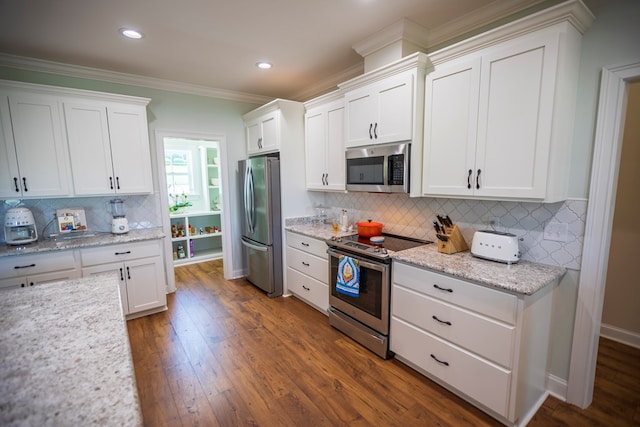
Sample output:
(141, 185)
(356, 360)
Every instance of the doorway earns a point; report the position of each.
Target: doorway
(604, 175)
(194, 188)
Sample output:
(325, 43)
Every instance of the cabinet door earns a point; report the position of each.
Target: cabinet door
(40, 147)
(315, 148)
(254, 137)
(394, 103)
(9, 174)
(145, 284)
(129, 135)
(89, 149)
(516, 108)
(270, 132)
(116, 268)
(360, 116)
(335, 160)
(450, 125)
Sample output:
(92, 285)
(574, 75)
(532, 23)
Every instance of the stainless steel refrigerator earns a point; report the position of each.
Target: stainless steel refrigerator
(261, 222)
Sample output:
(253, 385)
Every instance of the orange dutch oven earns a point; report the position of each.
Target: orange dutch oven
(369, 228)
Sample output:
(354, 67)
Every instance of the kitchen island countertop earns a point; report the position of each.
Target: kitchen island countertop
(522, 278)
(98, 238)
(65, 356)
(305, 226)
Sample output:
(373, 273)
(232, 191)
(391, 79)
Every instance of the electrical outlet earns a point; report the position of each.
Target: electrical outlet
(556, 231)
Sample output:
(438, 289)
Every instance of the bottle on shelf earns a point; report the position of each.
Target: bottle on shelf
(181, 252)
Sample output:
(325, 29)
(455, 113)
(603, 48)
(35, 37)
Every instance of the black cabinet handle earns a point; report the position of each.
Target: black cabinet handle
(15, 182)
(17, 267)
(111, 183)
(443, 289)
(370, 127)
(305, 288)
(304, 244)
(306, 264)
(469, 179)
(128, 274)
(121, 275)
(446, 322)
(118, 182)
(24, 182)
(259, 142)
(439, 361)
(123, 253)
(375, 131)
(30, 283)
(478, 180)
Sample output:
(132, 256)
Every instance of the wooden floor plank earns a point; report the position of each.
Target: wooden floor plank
(225, 354)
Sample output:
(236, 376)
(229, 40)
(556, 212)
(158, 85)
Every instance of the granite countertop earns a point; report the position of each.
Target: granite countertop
(65, 356)
(307, 227)
(98, 238)
(523, 278)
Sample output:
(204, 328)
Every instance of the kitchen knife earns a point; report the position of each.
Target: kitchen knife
(440, 219)
(443, 238)
(436, 226)
(448, 220)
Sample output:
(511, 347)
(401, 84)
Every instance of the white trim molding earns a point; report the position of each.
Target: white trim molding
(620, 335)
(595, 255)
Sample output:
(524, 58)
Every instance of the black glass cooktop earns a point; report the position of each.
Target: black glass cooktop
(364, 245)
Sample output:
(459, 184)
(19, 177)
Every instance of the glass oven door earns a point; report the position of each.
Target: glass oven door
(371, 305)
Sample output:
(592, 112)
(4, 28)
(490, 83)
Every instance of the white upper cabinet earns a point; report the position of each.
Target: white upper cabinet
(263, 133)
(386, 106)
(34, 158)
(324, 145)
(499, 112)
(109, 148)
(381, 112)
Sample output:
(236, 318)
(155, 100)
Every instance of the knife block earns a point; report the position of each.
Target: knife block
(455, 242)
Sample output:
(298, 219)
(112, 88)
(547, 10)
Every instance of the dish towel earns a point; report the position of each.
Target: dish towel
(348, 282)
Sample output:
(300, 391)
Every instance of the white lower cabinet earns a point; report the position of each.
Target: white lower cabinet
(30, 270)
(307, 270)
(140, 269)
(486, 345)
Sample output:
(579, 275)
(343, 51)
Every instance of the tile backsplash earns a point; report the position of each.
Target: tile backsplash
(407, 216)
(141, 211)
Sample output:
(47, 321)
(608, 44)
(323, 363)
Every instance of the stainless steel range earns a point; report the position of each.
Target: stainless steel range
(360, 287)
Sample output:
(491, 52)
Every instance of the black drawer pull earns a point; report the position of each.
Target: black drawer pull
(123, 253)
(304, 244)
(443, 289)
(446, 322)
(439, 361)
(121, 275)
(306, 264)
(305, 288)
(17, 267)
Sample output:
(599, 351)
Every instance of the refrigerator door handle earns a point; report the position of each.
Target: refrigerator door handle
(255, 247)
(248, 199)
(251, 201)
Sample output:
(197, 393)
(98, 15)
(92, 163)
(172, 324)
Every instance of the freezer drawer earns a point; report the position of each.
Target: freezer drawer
(264, 271)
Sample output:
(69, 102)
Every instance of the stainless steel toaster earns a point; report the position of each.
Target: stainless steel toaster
(496, 246)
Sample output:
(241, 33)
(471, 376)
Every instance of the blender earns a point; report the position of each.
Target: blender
(119, 224)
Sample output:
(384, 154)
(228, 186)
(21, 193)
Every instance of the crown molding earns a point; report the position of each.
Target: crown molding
(403, 29)
(43, 66)
(330, 83)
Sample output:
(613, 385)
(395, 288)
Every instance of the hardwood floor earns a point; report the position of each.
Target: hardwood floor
(226, 355)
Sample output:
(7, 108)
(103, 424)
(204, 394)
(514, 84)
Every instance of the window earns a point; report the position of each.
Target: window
(180, 172)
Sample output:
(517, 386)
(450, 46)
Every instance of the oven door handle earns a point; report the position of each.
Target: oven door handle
(364, 263)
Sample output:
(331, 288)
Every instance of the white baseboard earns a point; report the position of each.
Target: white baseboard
(621, 335)
(557, 387)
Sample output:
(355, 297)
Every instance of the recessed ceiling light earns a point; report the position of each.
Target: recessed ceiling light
(264, 65)
(130, 33)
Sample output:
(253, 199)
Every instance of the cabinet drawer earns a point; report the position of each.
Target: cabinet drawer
(24, 265)
(308, 264)
(115, 253)
(309, 289)
(488, 302)
(486, 337)
(486, 383)
(308, 244)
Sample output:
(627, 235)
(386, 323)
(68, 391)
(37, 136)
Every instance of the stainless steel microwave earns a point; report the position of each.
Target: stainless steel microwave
(378, 168)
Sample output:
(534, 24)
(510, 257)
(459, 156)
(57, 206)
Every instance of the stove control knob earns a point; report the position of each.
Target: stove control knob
(339, 239)
(376, 249)
(333, 238)
(384, 251)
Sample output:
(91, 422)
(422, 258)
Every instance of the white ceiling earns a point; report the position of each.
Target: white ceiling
(215, 44)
